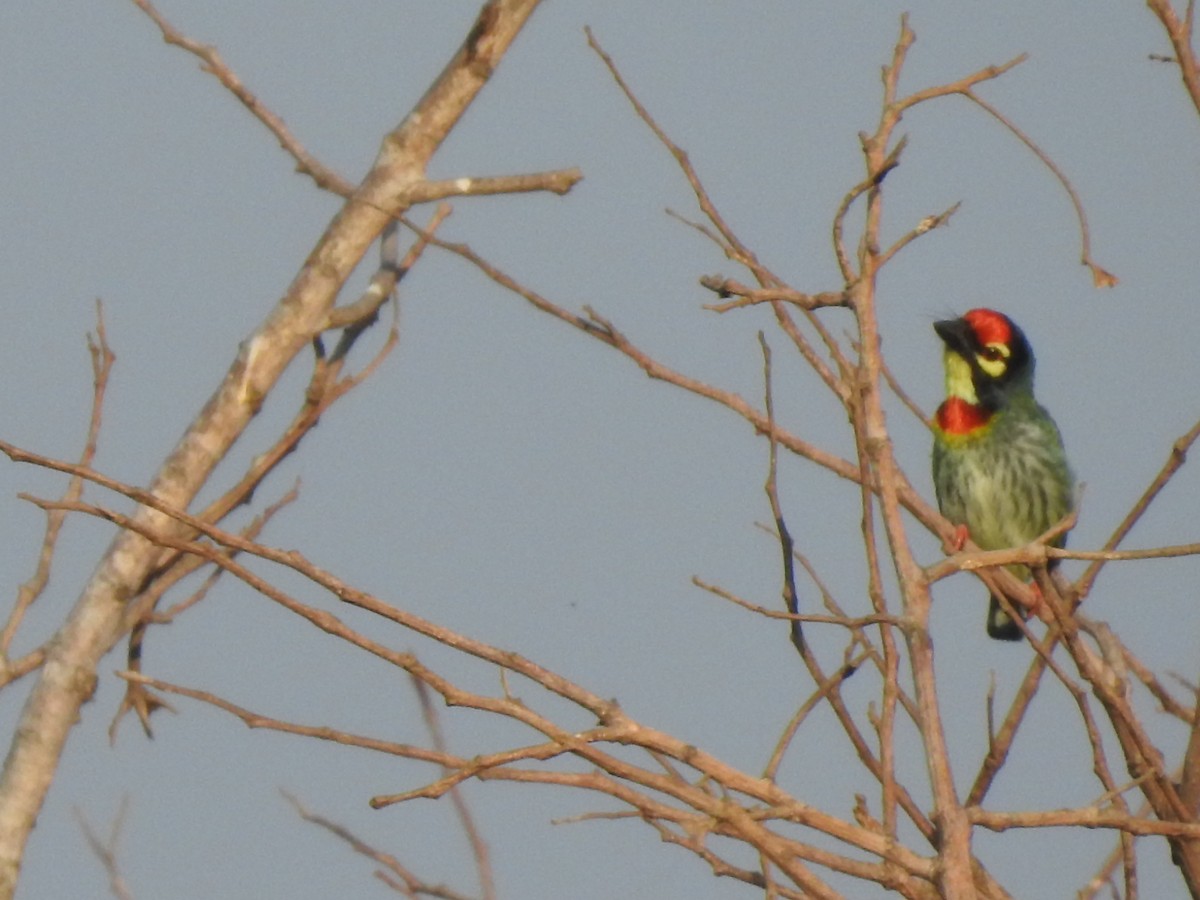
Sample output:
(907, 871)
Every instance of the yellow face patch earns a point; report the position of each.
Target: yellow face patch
(994, 359)
(958, 378)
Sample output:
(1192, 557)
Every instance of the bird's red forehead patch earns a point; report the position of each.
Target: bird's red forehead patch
(990, 327)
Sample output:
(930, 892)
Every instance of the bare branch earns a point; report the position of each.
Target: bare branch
(410, 883)
(1089, 817)
(558, 182)
(791, 600)
(1179, 33)
(102, 363)
(926, 225)
(1100, 277)
(615, 725)
(479, 849)
(106, 849)
(728, 287)
(213, 64)
(733, 246)
(1175, 461)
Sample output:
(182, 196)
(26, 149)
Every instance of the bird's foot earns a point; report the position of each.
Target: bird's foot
(1038, 605)
(960, 538)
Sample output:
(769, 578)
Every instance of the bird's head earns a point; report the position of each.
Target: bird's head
(987, 358)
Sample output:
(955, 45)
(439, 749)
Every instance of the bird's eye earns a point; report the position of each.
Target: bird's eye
(992, 352)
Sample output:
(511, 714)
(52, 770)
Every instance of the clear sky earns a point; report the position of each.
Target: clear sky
(507, 477)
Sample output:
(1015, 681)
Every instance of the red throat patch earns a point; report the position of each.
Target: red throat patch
(990, 327)
(958, 417)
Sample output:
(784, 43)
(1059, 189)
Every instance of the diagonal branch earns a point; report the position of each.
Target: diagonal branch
(213, 64)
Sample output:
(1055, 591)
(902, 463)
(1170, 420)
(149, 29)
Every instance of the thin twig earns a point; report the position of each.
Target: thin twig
(733, 246)
(748, 296)
(102, 363)
(213, 64)
(1100, 277)
(479, 847)
(409, 884)
(1175, 461)
(791, 599)
(107, 849)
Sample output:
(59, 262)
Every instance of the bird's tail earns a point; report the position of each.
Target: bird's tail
(1000, 624)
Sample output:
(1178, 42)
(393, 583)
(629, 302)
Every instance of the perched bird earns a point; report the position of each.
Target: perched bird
(999, 468)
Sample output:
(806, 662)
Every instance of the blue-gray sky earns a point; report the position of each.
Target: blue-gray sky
(506, 477)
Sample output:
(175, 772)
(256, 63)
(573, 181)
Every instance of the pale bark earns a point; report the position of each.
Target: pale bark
(68, 677)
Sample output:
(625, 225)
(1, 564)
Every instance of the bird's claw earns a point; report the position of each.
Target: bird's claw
(960, 538)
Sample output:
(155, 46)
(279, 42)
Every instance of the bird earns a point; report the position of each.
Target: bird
(1000, 471)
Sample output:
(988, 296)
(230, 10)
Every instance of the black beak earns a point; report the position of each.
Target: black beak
(957, 335)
